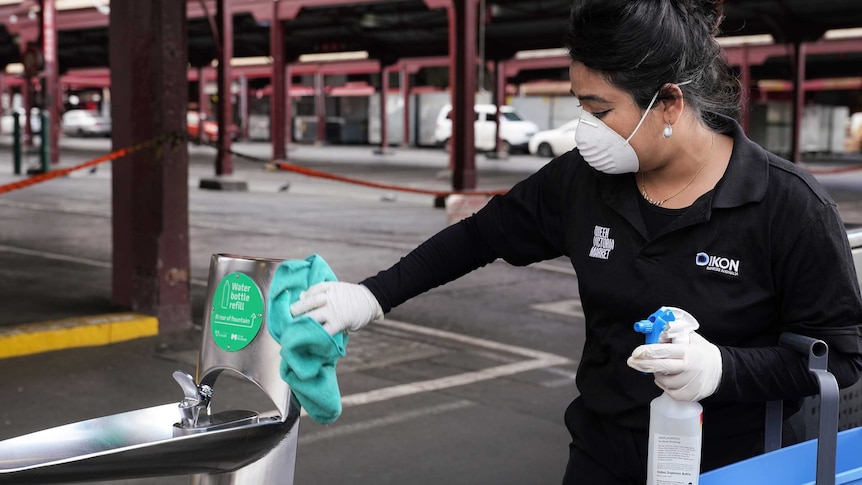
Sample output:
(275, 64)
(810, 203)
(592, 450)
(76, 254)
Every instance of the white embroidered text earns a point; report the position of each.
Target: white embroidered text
(602, 243)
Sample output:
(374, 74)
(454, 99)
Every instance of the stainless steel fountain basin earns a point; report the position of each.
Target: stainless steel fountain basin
(135, 444)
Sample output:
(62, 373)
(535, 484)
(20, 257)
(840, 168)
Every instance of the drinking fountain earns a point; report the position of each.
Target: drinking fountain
(236, 446)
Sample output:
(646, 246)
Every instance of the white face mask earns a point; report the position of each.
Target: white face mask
(603, 148)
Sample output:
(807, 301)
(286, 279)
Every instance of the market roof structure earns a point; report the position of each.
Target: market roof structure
(392, 29)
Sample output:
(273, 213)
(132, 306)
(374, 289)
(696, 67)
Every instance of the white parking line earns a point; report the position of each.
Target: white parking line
(567, 379)
(538, 360)
(54, 256)
(346, 429)
(570, 308)
(477, 342)
(553, 268)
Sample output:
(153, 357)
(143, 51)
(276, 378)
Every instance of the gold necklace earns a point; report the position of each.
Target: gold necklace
(700, 169)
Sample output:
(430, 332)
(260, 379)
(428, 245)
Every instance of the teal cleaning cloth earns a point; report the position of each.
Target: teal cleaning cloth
(308, 352)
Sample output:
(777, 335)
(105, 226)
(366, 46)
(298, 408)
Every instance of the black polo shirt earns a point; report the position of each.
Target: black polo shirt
(763, 253)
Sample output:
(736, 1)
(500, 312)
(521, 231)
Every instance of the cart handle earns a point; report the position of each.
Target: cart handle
(827, 441)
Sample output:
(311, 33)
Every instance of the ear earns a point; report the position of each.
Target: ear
(671, 103)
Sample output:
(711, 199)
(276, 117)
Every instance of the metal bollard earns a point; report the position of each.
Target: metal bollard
(45, 145)
(16, 142)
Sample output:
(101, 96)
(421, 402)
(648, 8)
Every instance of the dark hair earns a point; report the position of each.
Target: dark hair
(639, 46)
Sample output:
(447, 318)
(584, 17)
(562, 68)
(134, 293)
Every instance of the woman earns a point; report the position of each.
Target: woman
(665, 202)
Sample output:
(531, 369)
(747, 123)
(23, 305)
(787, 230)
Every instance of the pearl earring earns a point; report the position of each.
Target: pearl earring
(668, 131)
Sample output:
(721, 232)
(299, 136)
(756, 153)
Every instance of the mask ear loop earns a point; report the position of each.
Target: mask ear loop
(668, 130)
(649, 107)
(643, 118)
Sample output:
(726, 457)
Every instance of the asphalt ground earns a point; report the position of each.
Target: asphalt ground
(485, 365)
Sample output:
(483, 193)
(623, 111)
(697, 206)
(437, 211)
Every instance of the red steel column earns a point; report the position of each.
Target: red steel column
(462, 54)
(27, 102)
(3, 91)
(202, 102)
(279, 89)
(288, 112)
(203, 99)
(148, 62)
(453, 46)
(745, 80)
(243, 106)
(500, 91)
(320, 104)
(51, 86)
(384, 91)
(28, 95)
(799, 101)
(404, 82)
(224, 106)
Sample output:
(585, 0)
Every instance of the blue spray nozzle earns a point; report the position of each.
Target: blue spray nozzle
(655, 324)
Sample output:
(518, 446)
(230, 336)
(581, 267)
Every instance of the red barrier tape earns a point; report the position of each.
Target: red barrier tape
(310, 172)
(44, 177)
(289, 167)
(325, 175)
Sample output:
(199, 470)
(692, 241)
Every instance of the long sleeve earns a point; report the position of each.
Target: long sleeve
(815, 276)
(448, 255)
(521, 227)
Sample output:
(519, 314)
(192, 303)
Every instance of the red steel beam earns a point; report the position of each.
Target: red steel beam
(320, 106)
(513, 66)
(151, 267)
(224, 104)
(51, 97)
(404, 88)
(384, 94)
(745, 81)
(261, 9)
(799, 101)
(279, 88)
(462, 50)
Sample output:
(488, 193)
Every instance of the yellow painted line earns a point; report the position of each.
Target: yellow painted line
(34, 338)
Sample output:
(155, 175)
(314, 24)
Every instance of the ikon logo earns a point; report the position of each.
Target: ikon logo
(718, 263)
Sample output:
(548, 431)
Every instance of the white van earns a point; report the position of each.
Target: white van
(515, 131)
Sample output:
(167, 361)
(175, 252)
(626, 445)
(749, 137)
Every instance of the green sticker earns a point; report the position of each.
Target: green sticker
(237, 312)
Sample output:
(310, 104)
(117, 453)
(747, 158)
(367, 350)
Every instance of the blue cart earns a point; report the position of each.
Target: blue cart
(832, 458)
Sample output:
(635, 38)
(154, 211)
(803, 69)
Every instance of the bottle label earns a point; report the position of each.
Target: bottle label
(676, 459)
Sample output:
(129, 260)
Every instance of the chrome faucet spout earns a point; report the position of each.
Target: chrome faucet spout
(196, 401)
(187, 383)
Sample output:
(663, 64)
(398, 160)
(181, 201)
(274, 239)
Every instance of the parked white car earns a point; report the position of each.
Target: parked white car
(515, 131)
(554, 142)
(82, 122)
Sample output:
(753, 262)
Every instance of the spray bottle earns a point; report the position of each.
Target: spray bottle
(674, 426)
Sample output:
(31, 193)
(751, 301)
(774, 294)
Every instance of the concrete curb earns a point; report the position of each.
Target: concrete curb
(34, 338)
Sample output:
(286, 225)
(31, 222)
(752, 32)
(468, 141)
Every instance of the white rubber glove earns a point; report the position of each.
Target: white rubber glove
(685, 371)
(338, 306)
